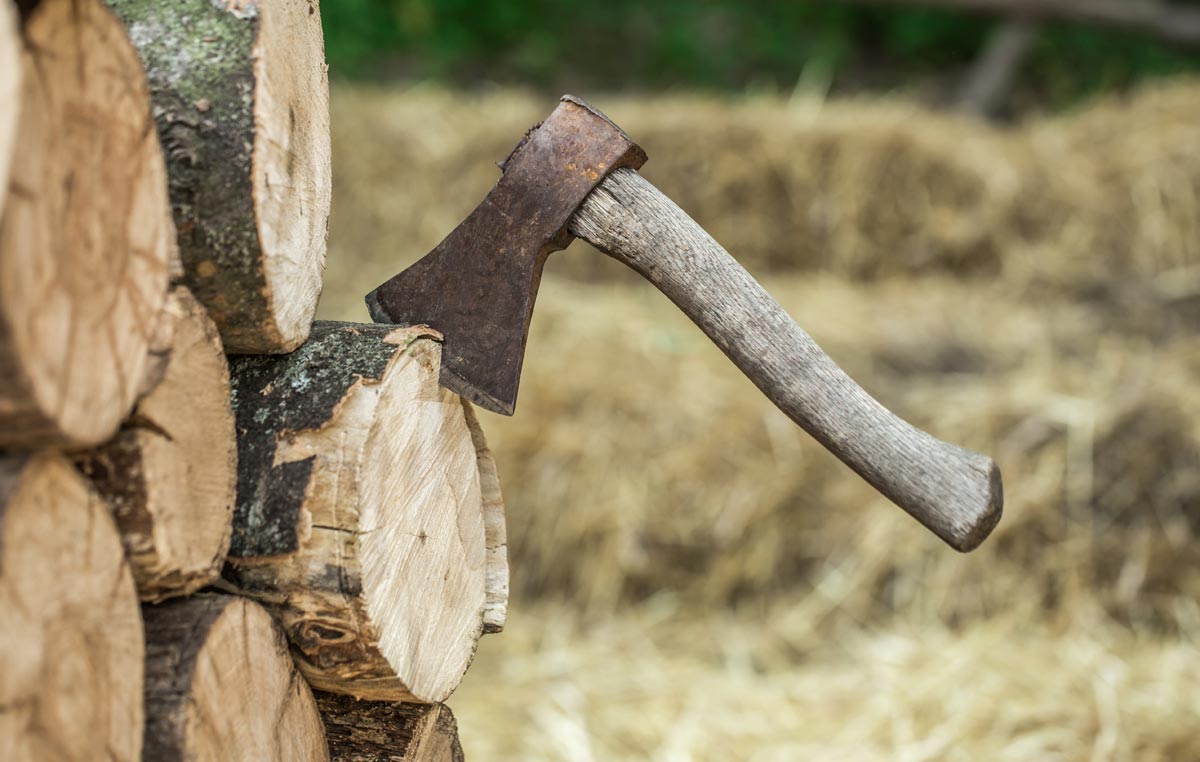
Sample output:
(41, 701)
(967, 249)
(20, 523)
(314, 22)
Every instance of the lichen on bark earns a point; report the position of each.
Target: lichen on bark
(275, 396)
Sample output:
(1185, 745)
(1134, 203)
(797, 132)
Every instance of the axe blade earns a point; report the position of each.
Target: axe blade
(478, 286)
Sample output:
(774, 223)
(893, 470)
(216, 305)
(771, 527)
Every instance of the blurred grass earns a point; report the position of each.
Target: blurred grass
(693, 578)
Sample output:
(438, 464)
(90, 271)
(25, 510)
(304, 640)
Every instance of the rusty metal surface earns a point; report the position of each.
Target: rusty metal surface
(478, 286)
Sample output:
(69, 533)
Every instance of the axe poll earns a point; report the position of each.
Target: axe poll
(575, 176)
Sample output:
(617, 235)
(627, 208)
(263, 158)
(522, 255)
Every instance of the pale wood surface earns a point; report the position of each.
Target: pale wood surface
(170, 473)
(221, 686)
(495, 611)
(954, 492)
(85, 233)
(10, 90)
(359, 521)
(71, 654)
(380, 731)
(241, 99)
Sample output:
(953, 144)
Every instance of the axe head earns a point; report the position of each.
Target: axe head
(478, 286)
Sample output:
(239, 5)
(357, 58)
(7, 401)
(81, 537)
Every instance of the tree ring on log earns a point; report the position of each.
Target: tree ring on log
(71, 648)
(359, 521)
(220, 685)
(85, 235)
(292, 174)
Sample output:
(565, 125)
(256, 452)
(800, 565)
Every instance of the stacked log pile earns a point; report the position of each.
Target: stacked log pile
(210, 505)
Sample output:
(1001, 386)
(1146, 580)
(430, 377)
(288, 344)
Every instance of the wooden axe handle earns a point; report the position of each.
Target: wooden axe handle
(954, 492)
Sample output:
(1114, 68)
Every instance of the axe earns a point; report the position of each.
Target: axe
(575, 176)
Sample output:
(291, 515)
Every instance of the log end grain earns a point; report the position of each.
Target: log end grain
(291, 163)
(380, 731)
(220, 685)
(241, 98)
(495, 611)
(360, 519)
(71, 649)
(170, 473)
(85, 235)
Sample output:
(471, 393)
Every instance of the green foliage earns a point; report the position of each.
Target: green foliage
(710, 44)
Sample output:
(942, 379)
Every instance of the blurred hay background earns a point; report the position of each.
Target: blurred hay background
(696, 580)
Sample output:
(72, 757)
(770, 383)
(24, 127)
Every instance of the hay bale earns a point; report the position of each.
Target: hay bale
(1102, 202)
(864, 189)
(657, 682)
(1112, 194)
(646, 464)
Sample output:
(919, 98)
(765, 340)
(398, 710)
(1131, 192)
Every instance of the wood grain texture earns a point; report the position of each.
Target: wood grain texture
(241, 98)
(169, 474)
(10, 90)
(359, 521)
(495, 610)
(85, 235)
(380, 731)
(220, 685)
(71, 651)
(954, 492)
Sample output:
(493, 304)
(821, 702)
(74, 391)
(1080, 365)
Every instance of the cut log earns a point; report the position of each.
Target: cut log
(71, 634)
(220, 685)
(10, 90)
(241, 98)
(495, 610)
(380, 731)
(359, 518)
(85, 234)
(169, 474)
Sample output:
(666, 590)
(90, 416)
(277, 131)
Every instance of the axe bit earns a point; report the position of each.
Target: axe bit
(574, 175)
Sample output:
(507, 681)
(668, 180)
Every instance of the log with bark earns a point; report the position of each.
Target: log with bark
(71, 653)
(241, 98)
(381, 731)
(85, 234)
(170, 472)
(359, 520)
(220, 685)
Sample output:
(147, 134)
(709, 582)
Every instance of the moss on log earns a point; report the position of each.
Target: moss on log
(241, 100)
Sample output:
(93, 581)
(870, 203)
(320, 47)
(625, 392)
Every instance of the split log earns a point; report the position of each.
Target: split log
(170, 473)
(85, 235)
(495, 609)
(241, 97)
(359, 518)
(220, 685)
(71, 634)
(380, 731)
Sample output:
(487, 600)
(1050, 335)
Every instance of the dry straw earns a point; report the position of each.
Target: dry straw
(700, 580)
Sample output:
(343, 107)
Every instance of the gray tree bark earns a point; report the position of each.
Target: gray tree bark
(380, 731)
(169, 474)
(220, 685)
(241, 102)
(360, 519)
